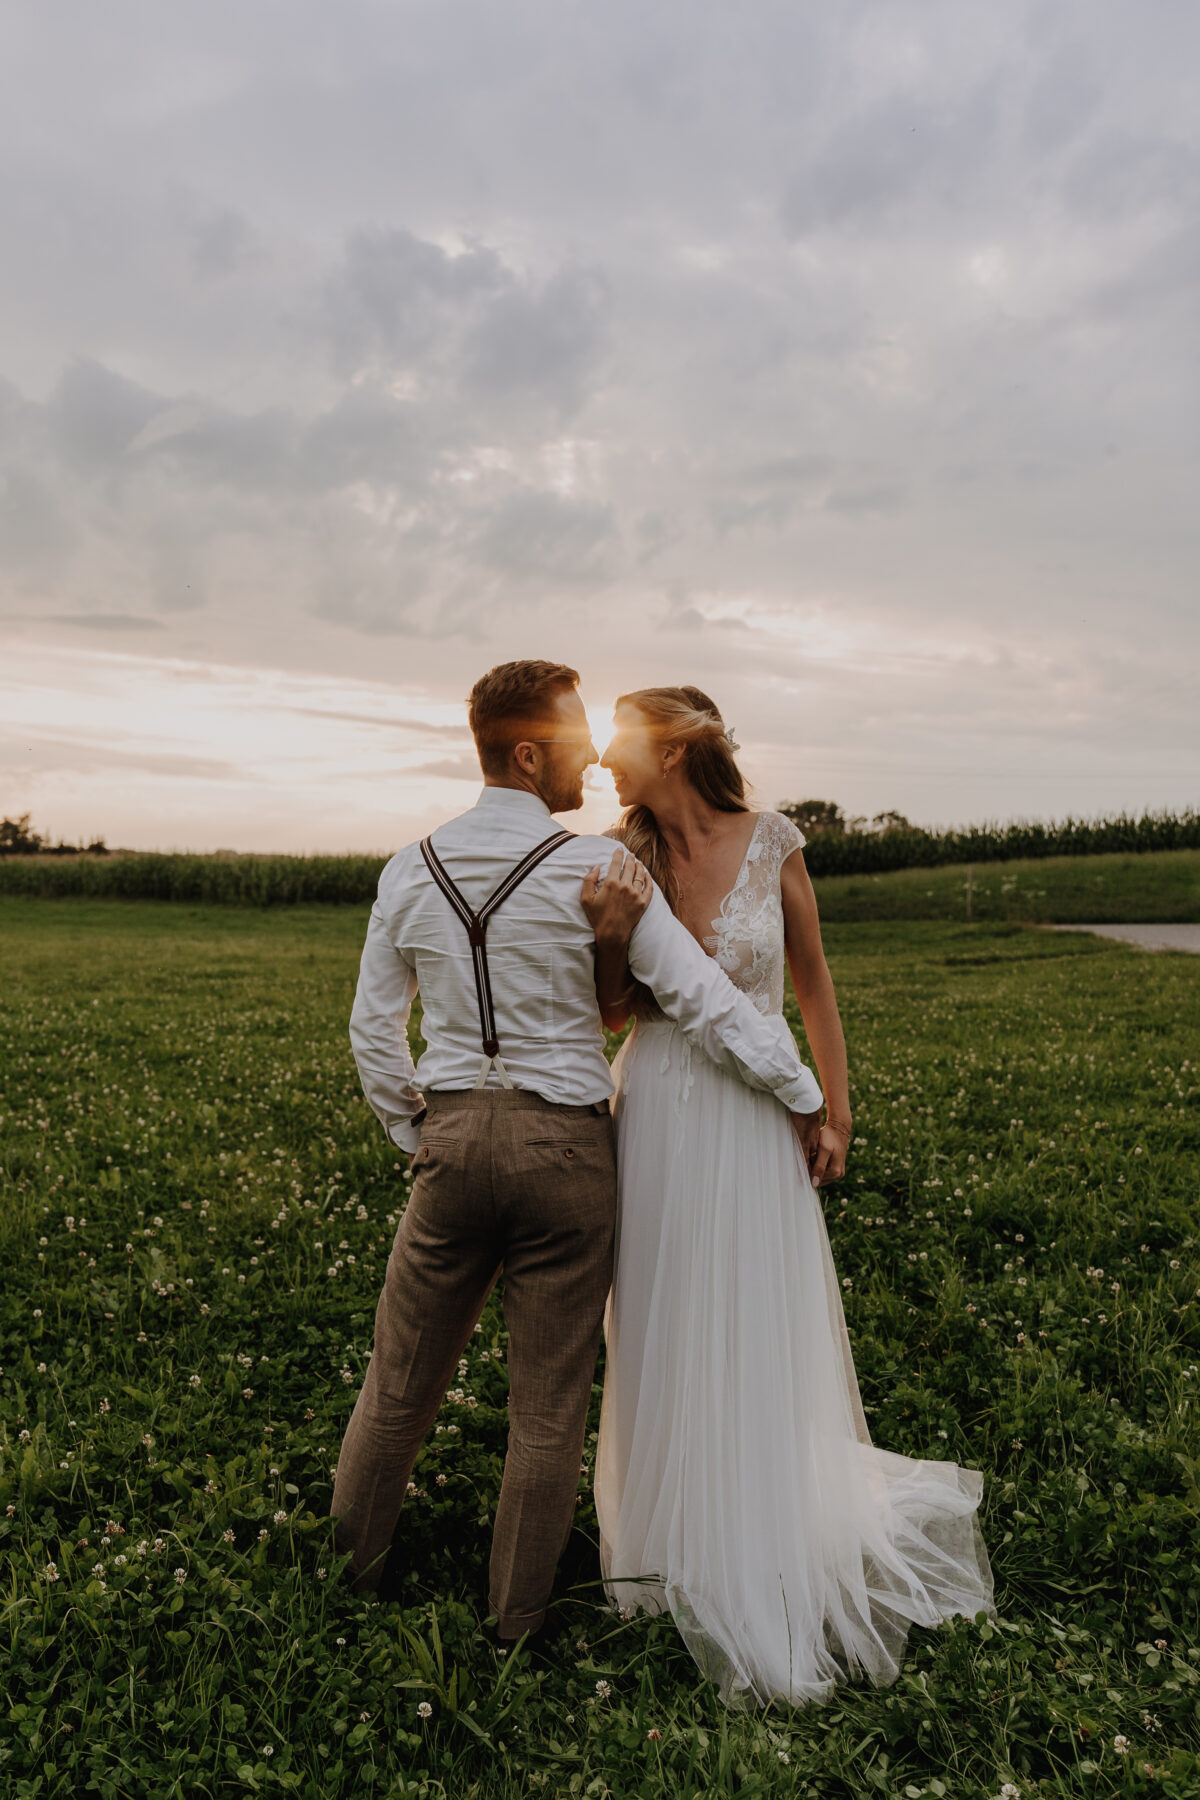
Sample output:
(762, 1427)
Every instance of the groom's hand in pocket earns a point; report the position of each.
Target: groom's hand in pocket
(807, 1127)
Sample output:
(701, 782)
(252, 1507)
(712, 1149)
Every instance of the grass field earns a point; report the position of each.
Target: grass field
(195, 1214)
(1159, 887)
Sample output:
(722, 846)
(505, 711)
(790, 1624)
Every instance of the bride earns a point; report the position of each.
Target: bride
(736, 1483)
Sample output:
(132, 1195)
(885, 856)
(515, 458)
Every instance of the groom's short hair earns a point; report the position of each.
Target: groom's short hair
(509, 703)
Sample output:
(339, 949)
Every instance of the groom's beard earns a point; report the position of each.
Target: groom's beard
(563, 794)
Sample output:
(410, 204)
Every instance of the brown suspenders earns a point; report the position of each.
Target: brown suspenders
(477, 924)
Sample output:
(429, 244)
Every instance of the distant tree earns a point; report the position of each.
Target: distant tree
(815, 815)
(890, 821)
(16, 839)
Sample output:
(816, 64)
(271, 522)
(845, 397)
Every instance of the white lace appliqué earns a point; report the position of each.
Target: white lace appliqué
(747, 936)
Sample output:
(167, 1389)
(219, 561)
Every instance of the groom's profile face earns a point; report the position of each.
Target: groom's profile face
(567, 750)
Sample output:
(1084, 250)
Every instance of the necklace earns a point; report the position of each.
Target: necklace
(682, 888)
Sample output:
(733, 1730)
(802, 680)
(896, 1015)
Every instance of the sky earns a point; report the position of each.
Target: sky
(841, 361)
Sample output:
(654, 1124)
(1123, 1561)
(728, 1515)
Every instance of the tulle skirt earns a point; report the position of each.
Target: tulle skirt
(736, 1484)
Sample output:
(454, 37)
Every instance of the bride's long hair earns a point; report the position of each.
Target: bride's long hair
(682, 715)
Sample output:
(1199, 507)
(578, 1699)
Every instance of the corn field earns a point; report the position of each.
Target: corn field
(334, 880)
(874, 852)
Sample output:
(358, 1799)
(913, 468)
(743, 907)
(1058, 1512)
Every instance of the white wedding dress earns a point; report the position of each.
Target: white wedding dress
(736, 1483)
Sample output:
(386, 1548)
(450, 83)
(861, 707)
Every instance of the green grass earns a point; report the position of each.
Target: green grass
(195, 1213)
(1157, 887)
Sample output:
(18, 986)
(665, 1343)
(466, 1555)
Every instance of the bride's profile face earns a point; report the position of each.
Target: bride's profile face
(633, 758)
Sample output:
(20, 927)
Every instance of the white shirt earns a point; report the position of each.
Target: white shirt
(540, 948)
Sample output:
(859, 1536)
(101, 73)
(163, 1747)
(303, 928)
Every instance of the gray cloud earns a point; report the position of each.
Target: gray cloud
(104, 621)
(82, 756)
(846, 328)
(458, 768)
(538, 534)
(418, 727)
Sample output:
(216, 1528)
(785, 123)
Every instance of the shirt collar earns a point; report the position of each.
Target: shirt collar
(514, 800)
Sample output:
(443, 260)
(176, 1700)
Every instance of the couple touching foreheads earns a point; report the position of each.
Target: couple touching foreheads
(668, 1201)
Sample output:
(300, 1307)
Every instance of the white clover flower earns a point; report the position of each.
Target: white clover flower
(227, 1535)
(602, 1690)
(97, 1569)
(263, 1534)
(279, 1518)
(339, 1642)
(321, 1574)
(193, 1381)
(783, 1756)
(119, 1562)
(424, 1710)
(1121, 1744)
(158, 1546)
(268, 1749)
(51, 1571)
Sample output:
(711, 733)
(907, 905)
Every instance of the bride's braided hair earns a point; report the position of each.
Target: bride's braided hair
(682, 715)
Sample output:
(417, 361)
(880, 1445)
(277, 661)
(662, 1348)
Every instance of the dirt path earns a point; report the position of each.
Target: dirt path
(1146, 937)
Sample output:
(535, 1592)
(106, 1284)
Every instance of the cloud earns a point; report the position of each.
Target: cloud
(96, 413)
(396, 297)
(419, 727)
(459, 768)
(546, 341)
(100, 621)
(548, 535)
(739, 354)
(80, 756)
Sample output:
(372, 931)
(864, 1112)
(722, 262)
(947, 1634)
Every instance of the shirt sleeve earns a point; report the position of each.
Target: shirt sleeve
(697, 994)
(387, 986)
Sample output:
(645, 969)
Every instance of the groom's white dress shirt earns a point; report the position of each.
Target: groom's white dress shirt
(540, 948)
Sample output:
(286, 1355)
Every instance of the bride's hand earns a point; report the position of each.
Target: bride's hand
(829, 1163)
(615, 901)
(823, 1146)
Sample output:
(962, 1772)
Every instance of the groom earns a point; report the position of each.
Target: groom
(509, 1131)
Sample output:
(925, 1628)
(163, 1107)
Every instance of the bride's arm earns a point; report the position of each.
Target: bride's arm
(818, 1009)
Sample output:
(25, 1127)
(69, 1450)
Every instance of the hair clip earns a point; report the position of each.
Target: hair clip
(729, 743)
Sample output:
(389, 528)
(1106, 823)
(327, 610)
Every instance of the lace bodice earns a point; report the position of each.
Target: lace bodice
(747, 934)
